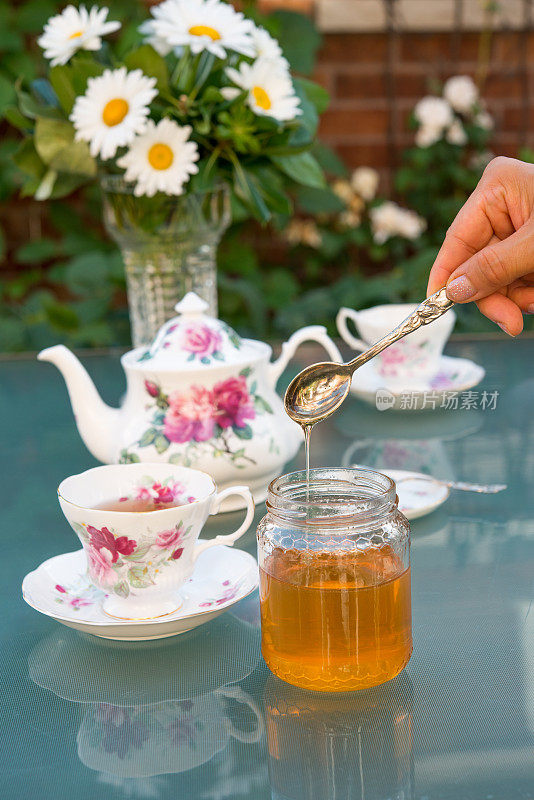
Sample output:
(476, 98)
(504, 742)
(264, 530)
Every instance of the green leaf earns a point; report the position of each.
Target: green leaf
(140, 552)
(262, 405)
(316, 94)
(246, 371)
(31, 108)
(27, 159)
(243, 433)
(298, 38)
(151, 63)
(61, 80)
(302, 168)
(122, 589)
(249, 192)
(16, 119)
(54, 142)
(7, 93)
(37, 251)
(148, 437)
(176, 458)
(138, 578)
(319, 201)
(161, 443)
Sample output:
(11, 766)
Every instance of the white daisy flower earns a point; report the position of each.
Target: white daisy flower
(270, 89)
(150, 37)
(267, 47)
(113, 110)
(161, 159)
(75, 29)
(203, 25)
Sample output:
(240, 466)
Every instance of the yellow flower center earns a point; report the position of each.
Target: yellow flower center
(75, 35)
(204, 30)
(114, 111)
(160, 156)
(261, 97)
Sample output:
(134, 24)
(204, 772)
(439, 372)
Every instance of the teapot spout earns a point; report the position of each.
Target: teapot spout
(96, 421)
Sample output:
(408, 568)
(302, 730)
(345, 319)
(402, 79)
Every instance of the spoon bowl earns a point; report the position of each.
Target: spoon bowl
(317, 392)
(320, 389)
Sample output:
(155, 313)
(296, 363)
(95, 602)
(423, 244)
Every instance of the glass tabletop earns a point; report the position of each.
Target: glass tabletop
(199, 716)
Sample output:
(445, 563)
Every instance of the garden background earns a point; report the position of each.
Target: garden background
(62, 278)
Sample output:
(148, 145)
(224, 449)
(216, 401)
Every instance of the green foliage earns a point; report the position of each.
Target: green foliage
(62, 280)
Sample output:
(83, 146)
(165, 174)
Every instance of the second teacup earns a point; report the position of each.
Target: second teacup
(416, 357)
(142, 556)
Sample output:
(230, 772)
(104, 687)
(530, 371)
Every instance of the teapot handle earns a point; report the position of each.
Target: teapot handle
(237, 694)
(311, 333)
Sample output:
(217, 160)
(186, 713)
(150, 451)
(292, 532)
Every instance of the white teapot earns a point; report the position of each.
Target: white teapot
(200, 396)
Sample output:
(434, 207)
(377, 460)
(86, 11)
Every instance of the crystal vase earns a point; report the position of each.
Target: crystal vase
(169, 247)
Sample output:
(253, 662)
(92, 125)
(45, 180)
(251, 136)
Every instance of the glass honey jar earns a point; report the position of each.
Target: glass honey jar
(334, 556)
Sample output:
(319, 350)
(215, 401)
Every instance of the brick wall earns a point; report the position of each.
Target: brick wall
(374, 83)
(375, 78)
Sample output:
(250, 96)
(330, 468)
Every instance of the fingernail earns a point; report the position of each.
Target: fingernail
(460, 289)
(530, 309)
(503, 327)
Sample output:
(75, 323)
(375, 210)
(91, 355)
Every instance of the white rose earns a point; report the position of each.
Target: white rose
(456, 133)
(433, 112)
(484, 120)
(389, 219)
(461, 92)
(427, 135)
(364, 181)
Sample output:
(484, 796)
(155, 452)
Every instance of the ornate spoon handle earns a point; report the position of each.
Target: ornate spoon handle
(430, 309)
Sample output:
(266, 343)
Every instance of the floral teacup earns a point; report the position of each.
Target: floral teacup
(141, 559)
(416, 357)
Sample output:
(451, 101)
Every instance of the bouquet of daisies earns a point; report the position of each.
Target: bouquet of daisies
(204, 97)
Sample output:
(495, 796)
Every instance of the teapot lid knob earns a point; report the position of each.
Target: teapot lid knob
(191, 305)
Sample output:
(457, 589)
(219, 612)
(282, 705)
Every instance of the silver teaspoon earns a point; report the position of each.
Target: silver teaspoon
(320, 389)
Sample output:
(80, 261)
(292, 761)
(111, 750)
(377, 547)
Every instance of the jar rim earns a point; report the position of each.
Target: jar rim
(335, 497)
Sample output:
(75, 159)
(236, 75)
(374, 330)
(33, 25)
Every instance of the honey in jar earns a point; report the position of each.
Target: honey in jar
(335, 580)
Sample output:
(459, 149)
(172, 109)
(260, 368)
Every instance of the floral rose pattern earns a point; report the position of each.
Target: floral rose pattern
(214, 417)
(160, 493)
(399, 358)
(121, 564)
(229, 591)
(202, 342)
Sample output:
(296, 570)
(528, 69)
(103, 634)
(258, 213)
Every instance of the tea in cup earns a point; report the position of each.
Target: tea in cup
(143, 555)
(414, 358)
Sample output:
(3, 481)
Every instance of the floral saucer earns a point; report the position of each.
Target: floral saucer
(444, 390)
(418, 494)
(61, 589)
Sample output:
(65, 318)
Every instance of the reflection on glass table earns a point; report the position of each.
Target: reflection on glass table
(154, 708)
(354, 746)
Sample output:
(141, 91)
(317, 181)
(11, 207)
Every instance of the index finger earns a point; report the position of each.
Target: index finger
(469, 233)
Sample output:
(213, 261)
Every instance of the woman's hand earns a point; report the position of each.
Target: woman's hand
(488, 253)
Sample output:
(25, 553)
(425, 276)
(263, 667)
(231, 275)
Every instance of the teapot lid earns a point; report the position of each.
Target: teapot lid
(195, 340)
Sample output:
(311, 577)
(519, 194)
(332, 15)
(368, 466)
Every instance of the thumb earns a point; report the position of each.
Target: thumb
(494, 267)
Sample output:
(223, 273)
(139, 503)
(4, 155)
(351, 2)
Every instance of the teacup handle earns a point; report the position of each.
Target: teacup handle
(341, 321)
(229, 538)
(237, 694)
